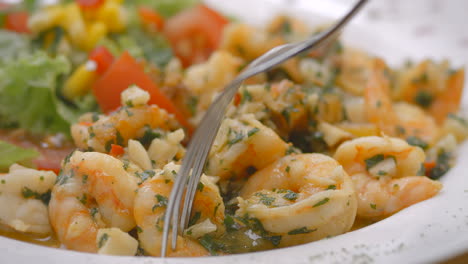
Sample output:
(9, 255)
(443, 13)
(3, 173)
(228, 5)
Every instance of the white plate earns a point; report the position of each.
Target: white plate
(429, 231)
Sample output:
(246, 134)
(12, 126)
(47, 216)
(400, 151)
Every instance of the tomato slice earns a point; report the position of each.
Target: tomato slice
(195, 33)
(17, 21)
(124, 72)
(90, 4)
(151, 18)
(103, 59)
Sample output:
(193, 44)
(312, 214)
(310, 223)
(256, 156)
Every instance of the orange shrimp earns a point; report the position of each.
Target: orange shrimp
(401, 119)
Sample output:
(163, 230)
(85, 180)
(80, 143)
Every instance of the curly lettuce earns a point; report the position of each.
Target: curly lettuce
(29, 97)
(10, 154)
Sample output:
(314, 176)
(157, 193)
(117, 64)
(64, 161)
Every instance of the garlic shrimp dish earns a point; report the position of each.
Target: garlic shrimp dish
(99, 99)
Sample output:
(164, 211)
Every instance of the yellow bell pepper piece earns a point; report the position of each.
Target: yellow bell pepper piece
(74, 25)
(96, 31)
(46, 18)
(81, 80)
(113, 16)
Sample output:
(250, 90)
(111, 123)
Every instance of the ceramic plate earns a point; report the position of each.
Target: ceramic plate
(429, 231)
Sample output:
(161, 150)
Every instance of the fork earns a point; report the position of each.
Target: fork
(200, 145)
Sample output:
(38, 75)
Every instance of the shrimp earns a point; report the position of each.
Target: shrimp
(355, 68)
(24, 196)
(150, 206)
(93, 191)
(302, 198)
(384, 172)
(449, 101)
(394, 120)
(433, 86)
(243, 144)
(135, 120)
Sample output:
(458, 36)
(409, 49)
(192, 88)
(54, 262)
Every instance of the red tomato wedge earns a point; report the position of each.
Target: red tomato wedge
(103, 59)
(151, 18)
(90, 4)
(17, 21)
(195, 33)
(124, 72)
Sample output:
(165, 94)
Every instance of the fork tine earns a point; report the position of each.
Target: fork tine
(190, 191)
(174, 200)
(209, 131)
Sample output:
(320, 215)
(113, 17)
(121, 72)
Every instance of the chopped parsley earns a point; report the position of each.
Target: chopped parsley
(83, 199)
(442, 165)
(373, 206)
(231, 224)
(119, 139)
(162, 202)
(210, 244)
(321, 202)
(372, 161)
(290, 150)
(93, 211)
(265, 199)
(252, 132)
(302, 230)
(145, 175)
(84, 179)
(246, 96)
(275, 240)
(424, 99)
(415, 141)
(194, 218)
(149, 135)
(200, 186)
(290, 195)
(285, 27)
(331, 187)
(238, 136)
(381, 173)
(28, 193)
(102, 240)
(192, 104)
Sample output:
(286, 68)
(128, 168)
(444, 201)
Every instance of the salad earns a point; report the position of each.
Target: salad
(99, 98)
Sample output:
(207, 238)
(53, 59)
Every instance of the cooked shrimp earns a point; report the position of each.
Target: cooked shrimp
(395, 120)
(355, 68)
(132, 121)
(433, 86)
(93, 191)
(243, 144)
(449, 101)
(384, 172)
(302, 197)
(24, 196)
(150, 206)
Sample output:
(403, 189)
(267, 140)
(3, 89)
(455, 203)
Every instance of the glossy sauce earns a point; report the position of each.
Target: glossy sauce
(49, 241)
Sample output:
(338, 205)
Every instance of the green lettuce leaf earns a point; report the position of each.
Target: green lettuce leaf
(166, 8)
(10, 154)
(29, 97)
(12, 45)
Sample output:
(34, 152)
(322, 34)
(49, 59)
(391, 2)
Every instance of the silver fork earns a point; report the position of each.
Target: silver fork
(204, 136)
